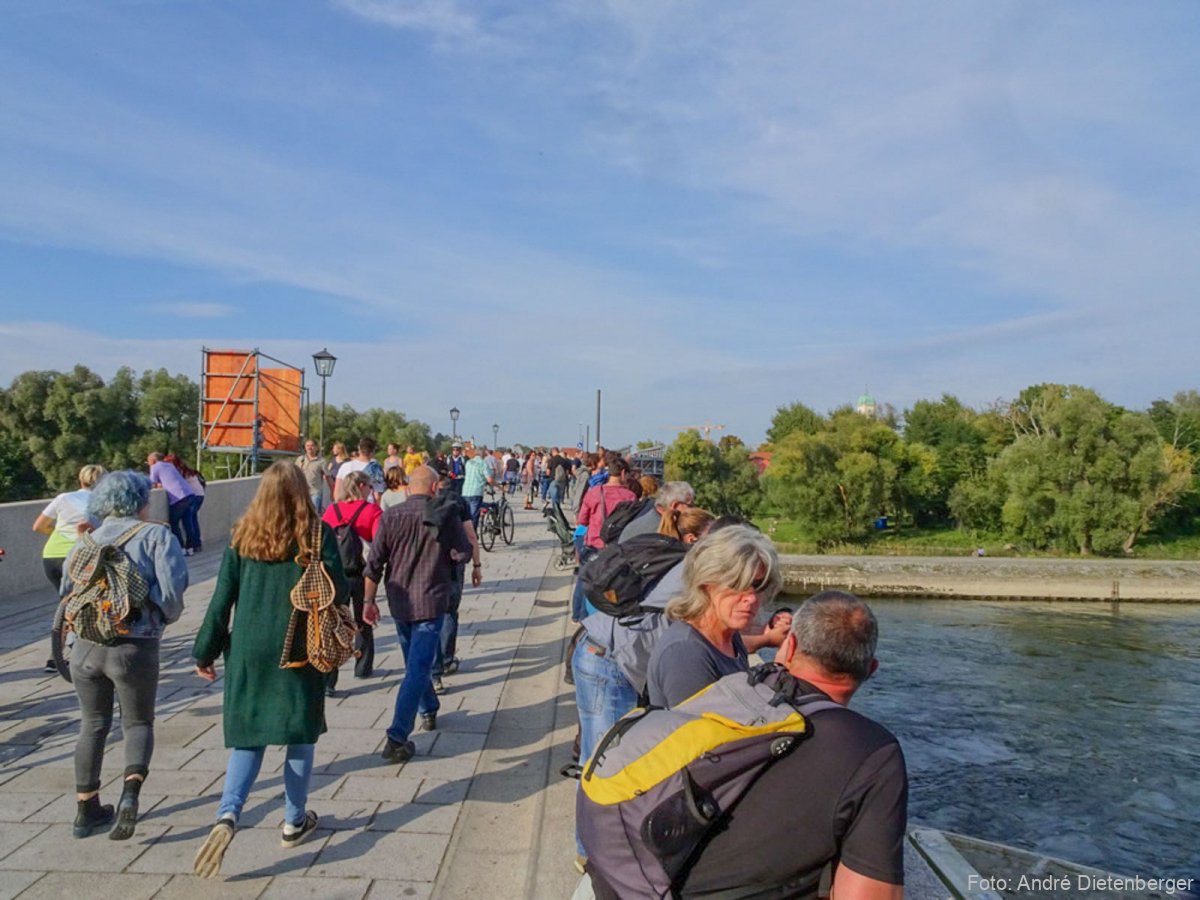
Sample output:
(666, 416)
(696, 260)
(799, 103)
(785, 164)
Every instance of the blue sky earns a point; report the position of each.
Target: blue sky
(705, 209)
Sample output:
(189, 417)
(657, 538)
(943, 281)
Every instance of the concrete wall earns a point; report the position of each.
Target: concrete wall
(21, 569)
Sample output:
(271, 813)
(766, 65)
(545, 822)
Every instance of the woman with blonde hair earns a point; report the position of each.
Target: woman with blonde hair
(60, 521)
(726, 578)
(265, 703)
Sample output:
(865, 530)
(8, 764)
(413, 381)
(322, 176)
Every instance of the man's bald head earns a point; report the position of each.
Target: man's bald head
(422, 480)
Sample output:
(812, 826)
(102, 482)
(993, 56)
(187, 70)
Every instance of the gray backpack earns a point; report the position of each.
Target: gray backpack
(662, 780)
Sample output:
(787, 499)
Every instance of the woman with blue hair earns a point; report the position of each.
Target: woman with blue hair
(128, 668)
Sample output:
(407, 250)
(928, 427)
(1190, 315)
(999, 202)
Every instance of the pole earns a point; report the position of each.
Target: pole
(200, 411)
(322, 413)
(587, 441)
(597, 418)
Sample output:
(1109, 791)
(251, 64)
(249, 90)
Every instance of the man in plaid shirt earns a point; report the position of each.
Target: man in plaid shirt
(415, 563)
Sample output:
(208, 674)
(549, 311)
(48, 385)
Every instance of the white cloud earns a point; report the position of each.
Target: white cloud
(194, 310)
(441, 18)
(982, 146)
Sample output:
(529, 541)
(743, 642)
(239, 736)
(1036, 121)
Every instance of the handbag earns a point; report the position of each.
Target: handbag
(329, 630)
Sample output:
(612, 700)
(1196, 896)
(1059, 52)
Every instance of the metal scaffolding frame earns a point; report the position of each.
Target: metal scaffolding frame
(249, 456)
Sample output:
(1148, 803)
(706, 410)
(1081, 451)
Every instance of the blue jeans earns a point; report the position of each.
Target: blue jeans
(448, 642)
(419, 643)
(191, 522)
(473, 505)
(580, 608)
(244, 763)
(176, 514)
(602, 695)
(317, 499)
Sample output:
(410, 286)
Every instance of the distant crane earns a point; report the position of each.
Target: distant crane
(707, 428)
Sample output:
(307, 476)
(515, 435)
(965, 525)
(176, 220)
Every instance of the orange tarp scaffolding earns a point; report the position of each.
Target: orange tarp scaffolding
(233, 381)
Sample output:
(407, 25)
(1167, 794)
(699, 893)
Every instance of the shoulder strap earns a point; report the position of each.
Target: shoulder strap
(354, 515)
(124, 537)
(311, 554)
(811, 703)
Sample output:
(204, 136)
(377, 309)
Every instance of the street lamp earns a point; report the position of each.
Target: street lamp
(324, 362)
(495, 436)
(454, 423)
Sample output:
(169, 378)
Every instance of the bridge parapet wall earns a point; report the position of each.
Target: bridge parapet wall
(21, 571)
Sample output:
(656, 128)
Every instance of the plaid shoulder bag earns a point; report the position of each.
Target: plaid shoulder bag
(329, 628)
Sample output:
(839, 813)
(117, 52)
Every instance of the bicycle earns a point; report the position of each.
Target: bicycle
(496, 518)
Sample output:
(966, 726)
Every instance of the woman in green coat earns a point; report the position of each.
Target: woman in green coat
(265, 704)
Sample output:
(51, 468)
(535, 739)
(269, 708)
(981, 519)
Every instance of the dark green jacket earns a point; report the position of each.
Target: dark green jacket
(265, 704)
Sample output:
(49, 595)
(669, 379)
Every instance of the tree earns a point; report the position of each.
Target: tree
(793, 418)
(726, 482)
(952, 431)
(387, 426)
(729, 442)
(1083, 474)
(167, 406)
(834, 494)
(1178, 420)
(67, 420)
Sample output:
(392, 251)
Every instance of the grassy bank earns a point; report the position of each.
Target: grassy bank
(791, 537)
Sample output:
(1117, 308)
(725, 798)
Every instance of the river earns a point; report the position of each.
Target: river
(1070, 728)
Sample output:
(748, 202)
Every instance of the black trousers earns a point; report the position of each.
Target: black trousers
(364, 665)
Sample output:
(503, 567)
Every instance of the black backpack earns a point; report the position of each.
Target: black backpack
(349, 544)
(623, 513)
(618, 578)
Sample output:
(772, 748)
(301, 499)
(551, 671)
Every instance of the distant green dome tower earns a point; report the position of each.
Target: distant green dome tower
(866, 405)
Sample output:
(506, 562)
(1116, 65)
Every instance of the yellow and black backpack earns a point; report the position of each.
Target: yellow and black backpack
(662, 780)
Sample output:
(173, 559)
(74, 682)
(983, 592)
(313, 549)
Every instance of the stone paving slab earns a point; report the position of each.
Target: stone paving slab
(386, 831)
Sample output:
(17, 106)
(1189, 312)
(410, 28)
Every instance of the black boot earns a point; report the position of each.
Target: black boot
(91, 817)
(127, 810)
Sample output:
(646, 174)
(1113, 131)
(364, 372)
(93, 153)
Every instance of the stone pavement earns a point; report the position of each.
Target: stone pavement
(480, 811)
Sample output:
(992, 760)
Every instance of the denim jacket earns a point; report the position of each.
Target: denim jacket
(158, 556)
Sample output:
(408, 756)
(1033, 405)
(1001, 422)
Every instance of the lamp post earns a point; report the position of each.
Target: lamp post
(454, 423)
(324, 362)
(495, 436)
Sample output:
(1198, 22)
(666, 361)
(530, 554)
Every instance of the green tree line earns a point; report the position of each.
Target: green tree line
(1058, 468)
(53, 423)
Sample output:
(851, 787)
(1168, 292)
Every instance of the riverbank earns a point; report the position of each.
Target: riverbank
(983, 578)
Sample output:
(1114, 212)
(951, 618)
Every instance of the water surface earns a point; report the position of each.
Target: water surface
(1070, 728)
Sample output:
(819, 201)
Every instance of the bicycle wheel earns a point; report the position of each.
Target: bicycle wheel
(487, 530)
(508, 524)
(60, 652)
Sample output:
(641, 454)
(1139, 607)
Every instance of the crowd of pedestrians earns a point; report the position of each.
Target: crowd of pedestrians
(668, 598)
(668, 601)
